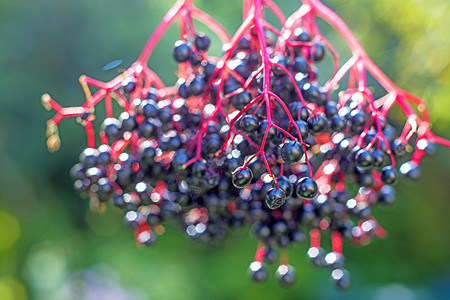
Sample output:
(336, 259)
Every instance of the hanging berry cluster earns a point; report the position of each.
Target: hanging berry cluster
(250, 138)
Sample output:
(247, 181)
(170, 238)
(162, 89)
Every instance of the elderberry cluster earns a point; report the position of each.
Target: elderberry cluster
(250, 139)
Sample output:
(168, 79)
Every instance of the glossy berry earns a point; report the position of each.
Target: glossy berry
(242, 177)
(292, 152)
(275, 198)
(306, 188)
(334, 260)
(129, 86)
(388, 175)
(363, 158)
(202, 42)
(257, 272)
(285, 185)
(88, 158)
(317, 124)
(341, 278)
(128, 122)
(182, 51)
(337, 124)
(410, 170)
(378, 158)
(316, 256)
(285, 275)
(318, 52)
(111, 127)
(249, 124)
(240, 100)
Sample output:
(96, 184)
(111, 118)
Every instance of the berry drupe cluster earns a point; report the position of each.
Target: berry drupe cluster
(251, 138)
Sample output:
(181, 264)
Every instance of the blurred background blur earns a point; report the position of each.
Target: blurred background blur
(53, 247)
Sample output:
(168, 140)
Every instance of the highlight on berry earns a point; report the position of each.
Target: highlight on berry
(250, 138)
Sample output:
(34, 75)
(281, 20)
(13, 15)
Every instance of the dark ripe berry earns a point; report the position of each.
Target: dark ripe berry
(302, 127)
(196, 59)
(285, 275)
(300, 65)
(249, 124)
(197, 85)
(128, 121)
(134, 219)
(257, 168)
(77, 172)
(398, 148)
(311, 92)
(147, 153)
(303, 114)
(363, 158)
(230, 165)
(275, 198)
(111, 127)
(180, 158)
(277, 71)
(118, 201)
(104, 155)
(279, 228)
(146, 238)
(340, 278)
(306, 188)
(243, 44)
(388, 175)
(104, 189)
(202, 42)
(88, 158)
(334, 260)
(357, 121)
(230, 85)
(270, 256)
(317, 124)
(386, 195)
(271, 135)
(323, 98)
(242, 177)
(173, 143)
(208, 69)
(199, 169)
(183, 89)
(285, 185)
(241, 68)
(378, 158)
(124, 176)
(240, 100)
(331, 109)
(337, 123)
(257, 272)
(318, 52)
(149, 108)
(292, 152)
(339, 197)
(211, 144)
(182, 51)
(316, 256)
(147, 129)
(152, 95)
(301, 36)
(294, 108)
(164, 115)
(410, 170)
(144, 191)
(128, 86)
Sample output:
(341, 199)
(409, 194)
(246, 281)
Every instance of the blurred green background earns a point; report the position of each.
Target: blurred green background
(53, 247)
